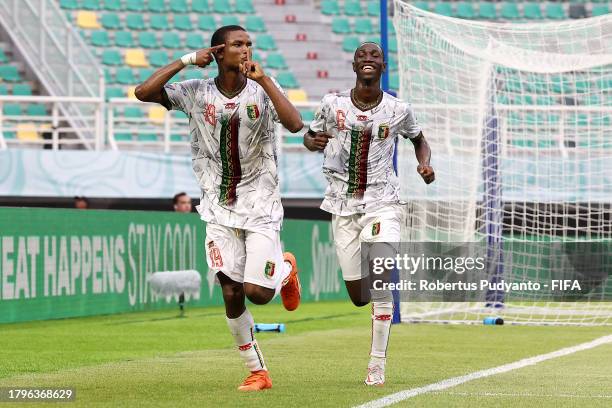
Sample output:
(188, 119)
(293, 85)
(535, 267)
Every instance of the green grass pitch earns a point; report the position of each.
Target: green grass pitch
(155, 359)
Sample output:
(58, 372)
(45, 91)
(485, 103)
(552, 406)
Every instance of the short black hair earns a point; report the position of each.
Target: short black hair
(177, 196)
(218, 36)
(369, 42)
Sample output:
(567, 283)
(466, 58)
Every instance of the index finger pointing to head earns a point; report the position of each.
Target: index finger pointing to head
(217, 47)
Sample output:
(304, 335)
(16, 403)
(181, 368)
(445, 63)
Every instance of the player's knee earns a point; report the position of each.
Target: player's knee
(359, 300)
(233, 293)
(257, 294)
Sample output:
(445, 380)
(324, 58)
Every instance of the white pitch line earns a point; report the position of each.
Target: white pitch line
(452, 382)
(517, 395)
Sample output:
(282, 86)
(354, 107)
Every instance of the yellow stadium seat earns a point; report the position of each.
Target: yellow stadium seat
(136, 58)
(27, 131)
(87, 19)
(157, 114)
(297, 95)
(131, 92)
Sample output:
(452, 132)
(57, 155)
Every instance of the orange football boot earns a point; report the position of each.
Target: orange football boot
(291, 292)
(257, 381)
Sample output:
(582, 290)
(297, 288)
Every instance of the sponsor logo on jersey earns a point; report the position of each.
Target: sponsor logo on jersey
(230, 105)
(383, 131)
(362, 118)
(270, 269)
(210, 114)
(341, 119)
(375, 228)
(252, 111)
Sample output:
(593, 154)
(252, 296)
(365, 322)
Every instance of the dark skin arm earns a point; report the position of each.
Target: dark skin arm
(316, 141)
(423, 155)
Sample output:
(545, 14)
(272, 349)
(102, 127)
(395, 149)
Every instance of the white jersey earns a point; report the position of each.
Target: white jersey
(233, 149)
(358, 160)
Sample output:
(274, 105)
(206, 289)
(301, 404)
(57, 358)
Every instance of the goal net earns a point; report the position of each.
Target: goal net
(518, 117)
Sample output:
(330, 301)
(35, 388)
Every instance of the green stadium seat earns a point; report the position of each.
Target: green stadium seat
(112, 57)
(373, 38)
(200, 6)
(182, 22)
(123, 137)
(341, 25)
(134, 5)
(229, 20)
(69, 4)
(207, 22)
(159, 22)
(3, 89)
(193, 74)
(195, 41)
(307, 115)
(465, 10)
(171, 40)
(510, 11)
(364, 26)
(503, 99)
(158, 58)
(22, 90)
(392, 44)
(135, 22)
(179, 114)
(36, 109)
(99, 39)
(90, 5)
(532, 11)
(124, 39)
(147, 137)
(147, 39)
(593, 99)
(179, 6)
(133, 112)
(3, 57)
(125, 76)
(350, 44)
(561, 85)
(423, 5)
(245, 7)
(445, 9)
(555, 11)
(487, 11)
(276, 61)
(114, 92)
(108, 76)
(265, 42)
(112, 5)
(145, 73)
(111, 21)
(177, 55)
(545, 100)
(254, 24)
(157, 6)
(392, 63)
(600, 10)
(12, 109)
(373, 8)
(352, 8)
(330, 7)
(222, 6)
(394, 82)
(257, 57)
(179, 138)
(582, 85)
(9, 73)
(287, 80)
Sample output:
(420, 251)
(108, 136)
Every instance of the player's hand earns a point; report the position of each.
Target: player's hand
(318, 141)
(205, 55)
(427, 172)
(251, 69)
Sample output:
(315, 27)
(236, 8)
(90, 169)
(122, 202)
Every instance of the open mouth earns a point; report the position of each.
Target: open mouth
(368, 68)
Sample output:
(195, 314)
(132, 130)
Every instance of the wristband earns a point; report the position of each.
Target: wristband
(189, 59)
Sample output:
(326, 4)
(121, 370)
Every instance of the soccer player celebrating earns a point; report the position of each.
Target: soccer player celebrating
(356, 130)
(232, 121)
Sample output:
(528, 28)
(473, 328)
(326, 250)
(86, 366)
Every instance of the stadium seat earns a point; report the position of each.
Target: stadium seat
(111, 21)
(287, 80)
(147, 137)
(157, 114)
(394, 82)
(108, 76)
(182, 22)
(222, 6)
(276, 61)
(206, 22)
(159, 22)
(147, 40)
(245, 7)
(133, 112)
(465, 10)
(545, 100)
(487, 11)
(352, 8)
(561, 85)
(157, 6)
(297, 95)
(179, 138)
(364, 26)
(179, 6)
(577, 11)
(124, 39)
(600, 10)
(125, 76)
(171, 40)
(510, 11)
(254, 24)
(123, 137)
(3, 89)
(330, 7)
(134, 5)
(340, 25)
(423, 5)
(27, 131)
(3, 57)
(582, 85)
(136, 58)
(111, 57)
(22, 90)
(69, 4)
(307, 115)
(392, 44)
(112, 5)
(265, 42)
(158, 58)
(350, 43)
(200, 6)
(135, 22)
(392, 63)
(555, 11)
(195, 41)
(87, 20)
(9, 73)
(229, 20)
(442, 8)
(178, 114)
(93, 5)
(12, 109)
(113, 92)
(373, 9)
(36, 109)
(532, 11)
(194, 73)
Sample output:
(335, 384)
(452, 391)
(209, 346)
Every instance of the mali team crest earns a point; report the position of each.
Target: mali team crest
(270, 269)
(252, 111)
(383, 131)
(376, 228)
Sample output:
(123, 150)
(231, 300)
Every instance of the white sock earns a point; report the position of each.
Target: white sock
(242, 330)
(382, 314)
(285, 273)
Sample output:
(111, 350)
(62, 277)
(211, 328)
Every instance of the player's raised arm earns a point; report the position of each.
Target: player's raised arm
(423, 155)
(152, 90)
(287, 113)
(316, 141)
